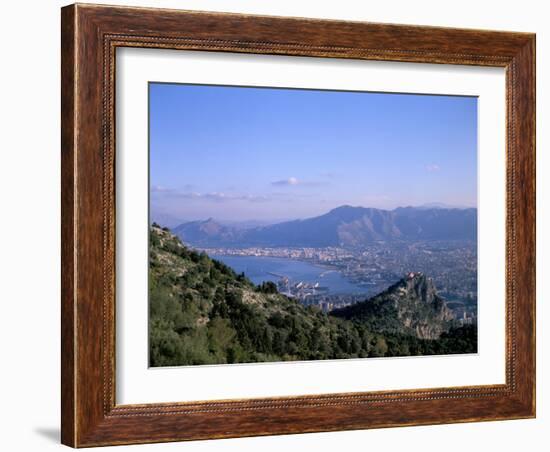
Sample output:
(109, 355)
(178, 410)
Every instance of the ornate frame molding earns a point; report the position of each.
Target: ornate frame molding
(90, 36)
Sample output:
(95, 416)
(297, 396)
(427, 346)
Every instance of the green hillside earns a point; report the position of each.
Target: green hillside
(410, 306)
(202, 312)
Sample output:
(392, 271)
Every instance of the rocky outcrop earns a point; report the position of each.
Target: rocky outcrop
(411, 306)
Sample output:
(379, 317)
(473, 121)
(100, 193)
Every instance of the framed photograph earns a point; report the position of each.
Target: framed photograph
(281, 225)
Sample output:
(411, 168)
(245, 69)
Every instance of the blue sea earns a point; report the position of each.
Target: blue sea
(260, 268)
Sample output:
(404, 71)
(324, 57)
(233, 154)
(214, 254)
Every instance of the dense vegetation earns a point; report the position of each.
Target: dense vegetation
(202, 312)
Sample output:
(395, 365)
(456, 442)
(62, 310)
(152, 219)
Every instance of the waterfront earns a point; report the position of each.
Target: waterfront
(376, 266)
(261, 268)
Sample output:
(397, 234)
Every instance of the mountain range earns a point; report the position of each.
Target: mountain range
(343, 226)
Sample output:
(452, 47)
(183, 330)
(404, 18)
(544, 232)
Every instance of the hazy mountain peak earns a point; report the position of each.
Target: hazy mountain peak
(342, 226)
(344, 208)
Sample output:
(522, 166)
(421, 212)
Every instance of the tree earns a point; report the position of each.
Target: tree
(380, 347)
(268, 287)
(220, 336)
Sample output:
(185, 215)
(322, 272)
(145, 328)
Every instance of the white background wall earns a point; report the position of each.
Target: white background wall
(29, 256)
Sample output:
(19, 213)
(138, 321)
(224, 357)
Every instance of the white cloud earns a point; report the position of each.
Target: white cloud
(170, 193)
(293, 182)
(220, 196)
(286, 182)
(432, 168)
(160, 189)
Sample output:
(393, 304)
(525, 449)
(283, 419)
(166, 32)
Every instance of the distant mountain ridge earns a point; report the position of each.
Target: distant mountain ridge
(342, 226)
(206, 232)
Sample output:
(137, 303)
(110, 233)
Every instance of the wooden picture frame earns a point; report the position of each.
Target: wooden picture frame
(90, 36)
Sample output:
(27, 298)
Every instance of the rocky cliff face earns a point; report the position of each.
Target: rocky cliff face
(411, 306)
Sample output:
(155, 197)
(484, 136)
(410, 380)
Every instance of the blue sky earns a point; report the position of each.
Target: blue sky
(240, 153)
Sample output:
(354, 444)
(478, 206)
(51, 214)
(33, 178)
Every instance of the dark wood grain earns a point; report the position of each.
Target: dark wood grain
(68, 333)
(90, 36)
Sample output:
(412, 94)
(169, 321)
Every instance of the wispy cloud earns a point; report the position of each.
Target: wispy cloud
(220, 197)
(170, 193)
(293, 182)
(286, 182)
(432, 168)
(161, 189)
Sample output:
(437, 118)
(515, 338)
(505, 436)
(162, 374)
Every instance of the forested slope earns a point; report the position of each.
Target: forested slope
(202, 312)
